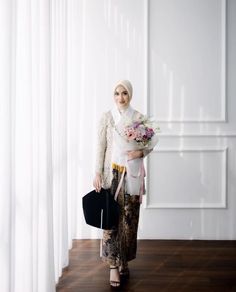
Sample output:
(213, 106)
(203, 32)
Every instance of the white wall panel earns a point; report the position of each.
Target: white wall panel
(190, 89)
(186, 60)
(196, 178)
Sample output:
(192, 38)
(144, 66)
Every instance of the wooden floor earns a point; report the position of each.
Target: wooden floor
(161, 265)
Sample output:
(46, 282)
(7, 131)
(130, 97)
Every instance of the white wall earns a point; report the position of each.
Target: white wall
(191, 184)
(179, 56)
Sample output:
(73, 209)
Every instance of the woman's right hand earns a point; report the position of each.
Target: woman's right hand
(97, 182)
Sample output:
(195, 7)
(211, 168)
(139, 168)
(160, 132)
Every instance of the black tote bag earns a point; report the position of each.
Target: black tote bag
(101, 210)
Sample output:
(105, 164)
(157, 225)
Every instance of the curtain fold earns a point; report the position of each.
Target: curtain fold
(5, 146)
(38, 186)
(59, 133)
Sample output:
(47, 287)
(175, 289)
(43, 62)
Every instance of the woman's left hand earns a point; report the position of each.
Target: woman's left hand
(134, 154)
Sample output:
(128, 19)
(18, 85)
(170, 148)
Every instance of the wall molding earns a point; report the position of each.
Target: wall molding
(223, 101)
(197, 135)
(201, 205)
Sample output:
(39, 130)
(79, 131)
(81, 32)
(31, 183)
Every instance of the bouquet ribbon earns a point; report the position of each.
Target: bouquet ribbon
(135, 182)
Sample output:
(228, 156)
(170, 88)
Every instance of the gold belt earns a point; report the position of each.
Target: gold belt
(118, 167)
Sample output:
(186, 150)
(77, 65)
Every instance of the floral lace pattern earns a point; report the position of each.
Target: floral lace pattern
(104, 148)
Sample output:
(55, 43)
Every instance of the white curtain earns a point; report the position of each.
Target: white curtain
(38, 140)
(59, 60)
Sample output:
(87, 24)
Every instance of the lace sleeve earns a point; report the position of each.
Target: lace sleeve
(101, 144)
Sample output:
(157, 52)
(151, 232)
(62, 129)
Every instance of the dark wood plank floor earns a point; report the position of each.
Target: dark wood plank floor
(161, 265)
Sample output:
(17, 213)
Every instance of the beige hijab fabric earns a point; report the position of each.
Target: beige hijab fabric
(127, 85)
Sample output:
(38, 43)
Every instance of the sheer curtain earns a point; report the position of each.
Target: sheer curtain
(38, 163)
(59, 60)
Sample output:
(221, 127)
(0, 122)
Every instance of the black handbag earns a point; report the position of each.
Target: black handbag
(101, 210)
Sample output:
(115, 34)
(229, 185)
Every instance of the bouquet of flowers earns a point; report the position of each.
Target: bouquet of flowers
(139, 134)
(131, 135)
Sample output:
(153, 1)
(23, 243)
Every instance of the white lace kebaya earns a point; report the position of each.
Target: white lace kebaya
(108, 154)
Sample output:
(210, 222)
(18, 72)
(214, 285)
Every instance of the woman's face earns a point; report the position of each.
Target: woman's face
(121, 97)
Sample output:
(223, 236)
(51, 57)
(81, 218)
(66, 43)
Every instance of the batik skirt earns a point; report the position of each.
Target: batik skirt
(120, 245)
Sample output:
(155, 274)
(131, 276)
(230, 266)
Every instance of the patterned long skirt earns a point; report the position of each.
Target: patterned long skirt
(119, 246)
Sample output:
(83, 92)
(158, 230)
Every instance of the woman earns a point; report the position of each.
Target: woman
(119, 246)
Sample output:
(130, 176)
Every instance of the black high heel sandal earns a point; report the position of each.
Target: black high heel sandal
(124, 272)
(114, 284)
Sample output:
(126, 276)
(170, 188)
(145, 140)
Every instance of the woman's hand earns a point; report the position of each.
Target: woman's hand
(97, 182)
(134, 154)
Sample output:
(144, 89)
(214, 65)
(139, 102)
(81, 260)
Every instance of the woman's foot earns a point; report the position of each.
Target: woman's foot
(124, 271)
(114, 277)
